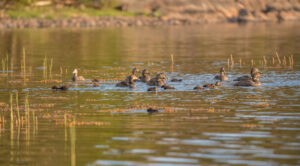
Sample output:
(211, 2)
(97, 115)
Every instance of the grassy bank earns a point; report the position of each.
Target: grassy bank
(65, 12)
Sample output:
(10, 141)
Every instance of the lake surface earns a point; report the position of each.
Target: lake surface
(109, 125)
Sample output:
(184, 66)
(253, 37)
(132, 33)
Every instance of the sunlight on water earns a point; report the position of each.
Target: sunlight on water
(109, 125)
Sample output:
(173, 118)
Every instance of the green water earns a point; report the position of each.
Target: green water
(109, 125)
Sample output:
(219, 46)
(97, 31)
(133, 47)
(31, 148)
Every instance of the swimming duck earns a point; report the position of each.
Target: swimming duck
(152, 89)
(145, 77)
(63, 87)
(159, 80)
(222, 76)
(253, 71)
(250, 82)
(198, 87)
(129, 82)
(151, 110)
(133, 75)
(212, 86)
(167, 87)
(176, 80)
(76, 77)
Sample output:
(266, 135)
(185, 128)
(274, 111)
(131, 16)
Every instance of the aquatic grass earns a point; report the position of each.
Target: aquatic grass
(23, 64)
(231, 60)
(50, 68)
(11, 117)
(73, 142)
(172, 58)
(18, 110)
(240, 62)
(279, 61)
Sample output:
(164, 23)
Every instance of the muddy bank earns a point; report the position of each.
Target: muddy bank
(9, 23)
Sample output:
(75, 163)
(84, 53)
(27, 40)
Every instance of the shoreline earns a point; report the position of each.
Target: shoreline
(108, 21)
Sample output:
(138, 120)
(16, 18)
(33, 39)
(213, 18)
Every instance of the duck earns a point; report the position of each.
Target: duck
(63, 87)
(253, 71)
(151, 110)
(254, 81)
(152, 89)
(176, 80)
(145, 77)
(133, 75)
(222, 76)
(129, 82)
(159, 80)
(198, 87)
(167, 87)
(212, 86)
(76, 77)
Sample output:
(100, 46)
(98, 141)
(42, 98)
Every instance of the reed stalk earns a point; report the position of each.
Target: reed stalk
(7, 62)
(228, 63)
(18, 110)
(265, 61)
(284, 61)
(240, 62)
(232, 61)
(172, 58)
(11, 116)
(3, 65)
(50, 68)
(252, 63)
(24, 62)
(45, 68)
(279, 61)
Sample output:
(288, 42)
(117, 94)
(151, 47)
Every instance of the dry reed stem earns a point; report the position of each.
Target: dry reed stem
(279, 61)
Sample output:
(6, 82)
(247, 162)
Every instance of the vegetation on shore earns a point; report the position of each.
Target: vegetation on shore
(56, 9)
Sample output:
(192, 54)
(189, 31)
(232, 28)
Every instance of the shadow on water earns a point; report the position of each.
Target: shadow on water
(109, 125)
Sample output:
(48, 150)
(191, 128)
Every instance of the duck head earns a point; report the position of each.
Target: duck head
(75, 72)
(135, 70)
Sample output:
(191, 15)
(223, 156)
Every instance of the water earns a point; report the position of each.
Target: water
(108, 125)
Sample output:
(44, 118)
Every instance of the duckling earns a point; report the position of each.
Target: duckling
(153, 89)
(212, 86)
(253, 71)
(151, 110)
(159, 80)
(95, 84)
(145, 78)
(63, 87)
(95, 80)
(222, 76)
(122, 84)
(176, 80)
(133, 75)
(131, 85)
(76, 77)
(218, 84)
(252, 82)
(167, 87)
(197, 87)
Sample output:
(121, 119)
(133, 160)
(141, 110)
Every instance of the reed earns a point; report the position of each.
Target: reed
(45, 68)
(11, 116)
(172, 58)
(7, 62)
(252, 63)
(273, 60)
(232, 61)
(228, 63)
(3, 64)
(23, 67)
(279, 61)
(73, 142)
(50, 68)
(265, 61)
(284, 61)
(18, 110)
(240, 62)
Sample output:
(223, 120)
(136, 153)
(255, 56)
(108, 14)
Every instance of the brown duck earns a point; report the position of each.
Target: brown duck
(63, 87)
(250, 82)
(253, 71)
(159, 80)
(145, 76)
(222, 76)
(76, 77)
